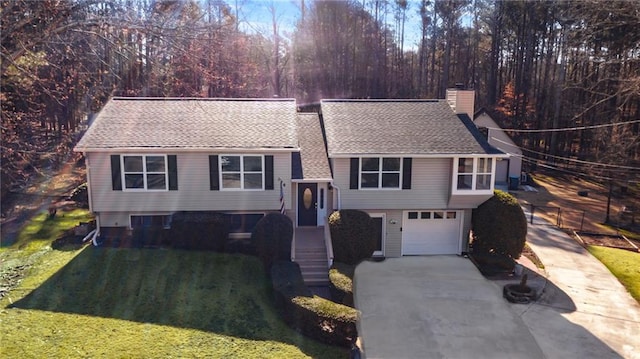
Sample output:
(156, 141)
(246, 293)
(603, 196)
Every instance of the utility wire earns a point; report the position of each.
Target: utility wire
(568, 159)
(580, 128)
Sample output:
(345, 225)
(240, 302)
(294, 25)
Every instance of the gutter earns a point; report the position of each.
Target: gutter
(338, 194)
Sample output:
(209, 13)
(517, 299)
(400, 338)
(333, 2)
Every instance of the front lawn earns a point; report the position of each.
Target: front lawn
(142, 303)
(625, 265)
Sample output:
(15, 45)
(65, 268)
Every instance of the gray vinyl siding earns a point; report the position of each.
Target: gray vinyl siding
(114, 219)
(393, 235)
(430, 187)
(193, 192)
(468, 200)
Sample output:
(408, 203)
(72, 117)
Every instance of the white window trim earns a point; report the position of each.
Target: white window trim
(384, 231)
(474, 173)
(380, 172)
(241, 172)
(144, 173)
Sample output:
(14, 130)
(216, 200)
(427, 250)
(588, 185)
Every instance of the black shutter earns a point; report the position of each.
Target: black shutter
(406, 173)
(214, 178)
(353, 173)
(116, 176)
(173, 172)
(268, 172)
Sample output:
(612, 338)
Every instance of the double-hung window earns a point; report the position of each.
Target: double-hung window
(145, 172)
(474, 174)
(380, 172)
(242, 172)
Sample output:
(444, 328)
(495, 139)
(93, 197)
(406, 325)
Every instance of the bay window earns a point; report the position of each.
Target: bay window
(473, 174)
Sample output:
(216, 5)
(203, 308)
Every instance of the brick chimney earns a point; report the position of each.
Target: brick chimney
(461, 100)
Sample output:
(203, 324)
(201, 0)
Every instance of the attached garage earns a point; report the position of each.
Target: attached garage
(431, 232)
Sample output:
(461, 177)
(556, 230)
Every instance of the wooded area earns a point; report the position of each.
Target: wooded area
(535, 65)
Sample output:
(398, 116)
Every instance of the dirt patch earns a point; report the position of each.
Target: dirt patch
(582, 212)
(613, 241)
(49, 188)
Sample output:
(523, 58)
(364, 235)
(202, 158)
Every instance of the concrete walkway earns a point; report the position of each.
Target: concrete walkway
(584, 311)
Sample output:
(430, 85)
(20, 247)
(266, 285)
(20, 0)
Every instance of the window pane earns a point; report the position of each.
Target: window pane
(451, 215)
(413, 215)
(465, 165)
(230, 163)
(391, 180)
(483, 182)
(155, 164)
(369, 180)
(230, 180)
(391, 164)
(156, 181)
(425, 215)
(371, 164)
(438, 215)
(133, 181)
(465, 181)
(133, 164)
(484, 165)
(253, 163)
(253, 180)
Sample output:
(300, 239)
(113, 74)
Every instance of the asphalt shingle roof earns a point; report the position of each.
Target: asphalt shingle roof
(355, 127)
(193, 124)
(313, 155)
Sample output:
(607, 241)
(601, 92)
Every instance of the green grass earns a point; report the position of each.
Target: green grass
(141, 303)
(625, 265)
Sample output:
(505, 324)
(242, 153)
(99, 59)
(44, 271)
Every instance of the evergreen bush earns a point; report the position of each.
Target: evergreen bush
(199, 231)
(272, 238)
(313, 316)
(499, 227)
(352, 235)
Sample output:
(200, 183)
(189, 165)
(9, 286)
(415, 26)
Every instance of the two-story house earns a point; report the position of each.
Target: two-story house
(418, 166)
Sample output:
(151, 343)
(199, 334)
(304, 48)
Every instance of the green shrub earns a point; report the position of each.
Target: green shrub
(352, 235)
(499, 227)
(272, 238)
(313, 316)
(199, 231)
(150, 237)
(341, 283)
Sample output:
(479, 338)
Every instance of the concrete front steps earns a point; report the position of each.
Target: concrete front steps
(314, 266)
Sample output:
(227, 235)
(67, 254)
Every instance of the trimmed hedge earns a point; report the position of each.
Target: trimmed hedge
(313, 316)
(150, 237)
(352, 235)
(341, 283)
(499, 227)
(199, 231)
(272, 238)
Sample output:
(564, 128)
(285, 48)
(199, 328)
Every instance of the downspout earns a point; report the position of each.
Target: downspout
(96, 233)
(337, 195)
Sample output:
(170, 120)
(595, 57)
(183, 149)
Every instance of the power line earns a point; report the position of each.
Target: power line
(568, 159)
(566, 128)
(546, 164)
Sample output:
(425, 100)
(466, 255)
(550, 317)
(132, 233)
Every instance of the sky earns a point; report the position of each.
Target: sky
(255, 16)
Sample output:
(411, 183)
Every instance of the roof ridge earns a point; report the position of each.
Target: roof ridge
(399, 100)
(121, 98)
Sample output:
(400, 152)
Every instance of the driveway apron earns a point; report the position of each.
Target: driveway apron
(436, 307)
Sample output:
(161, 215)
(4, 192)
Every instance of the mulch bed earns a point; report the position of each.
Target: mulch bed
(613, 241)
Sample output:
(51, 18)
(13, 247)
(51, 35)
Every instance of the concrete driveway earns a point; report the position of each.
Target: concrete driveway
(436, 307)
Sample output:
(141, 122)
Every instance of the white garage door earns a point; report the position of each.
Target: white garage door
(431, 232)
